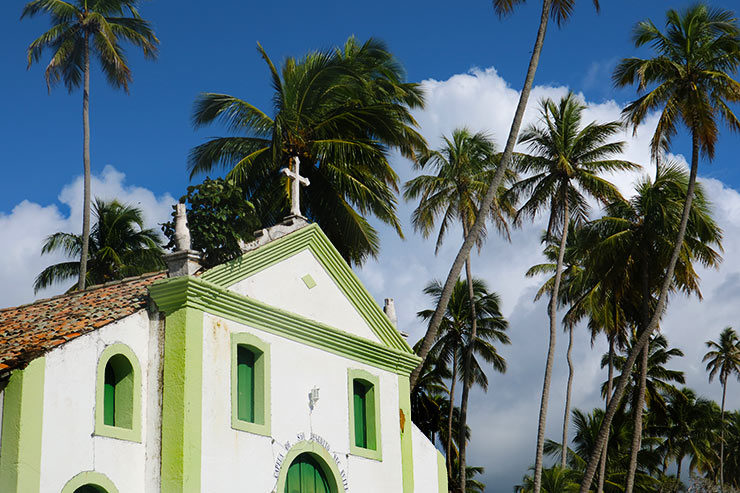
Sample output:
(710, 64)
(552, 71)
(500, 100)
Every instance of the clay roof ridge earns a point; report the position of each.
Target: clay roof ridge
(86, 290)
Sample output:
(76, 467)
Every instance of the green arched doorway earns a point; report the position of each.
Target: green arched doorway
(306, 475)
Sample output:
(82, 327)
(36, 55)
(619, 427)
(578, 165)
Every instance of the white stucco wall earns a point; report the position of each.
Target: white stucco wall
(281, 285)
(69, 445)
(425, 463)
(232, 457)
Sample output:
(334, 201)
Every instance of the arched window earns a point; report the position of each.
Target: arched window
(245, 361)
(250, 384)
(364, 414)
(118, 389)
(305, 475)
(363, 398)
(118, 402)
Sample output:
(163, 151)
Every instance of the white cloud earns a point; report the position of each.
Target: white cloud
(505, 419)
(28, 224)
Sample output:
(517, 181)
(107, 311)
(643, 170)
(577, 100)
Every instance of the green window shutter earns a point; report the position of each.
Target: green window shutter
(360, 414)
(245, 384)
(109, 397)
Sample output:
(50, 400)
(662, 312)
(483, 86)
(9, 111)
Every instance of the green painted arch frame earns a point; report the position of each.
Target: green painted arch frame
(92, 478)
(101, 429)
(324, 458)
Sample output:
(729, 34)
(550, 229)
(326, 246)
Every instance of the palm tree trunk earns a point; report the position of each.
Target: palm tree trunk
(722, 441)
(86, 164)
(637, 416)
(679, 461)
(610, 378)
(645, 337)
(551, 349)
(566, 417)
(487, 201)
(449, 416)
(467, 370)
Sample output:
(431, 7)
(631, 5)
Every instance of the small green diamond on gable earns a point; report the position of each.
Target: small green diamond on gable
(308, 280)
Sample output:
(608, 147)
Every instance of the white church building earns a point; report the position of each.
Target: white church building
(275, 372)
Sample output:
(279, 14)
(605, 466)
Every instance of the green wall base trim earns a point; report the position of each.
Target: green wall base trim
(442, 473)
(375, 452)
(322, 456)
(407, 449)
(197, 293)
(23, 411)
(91, 478)
(182, 401)
(262, 398)
(132, 434)
(312, 238)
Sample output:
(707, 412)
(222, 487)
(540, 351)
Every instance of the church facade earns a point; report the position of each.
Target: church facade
(275, 372)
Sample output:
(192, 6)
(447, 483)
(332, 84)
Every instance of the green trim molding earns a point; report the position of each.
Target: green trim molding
(322, 456)
(182, 400)
(90, 478)
(262, 397)
(23, 415)
(442, 473)
(407, 444)
(131, 429)
(313, 239)
(196, 293)
(374, 450)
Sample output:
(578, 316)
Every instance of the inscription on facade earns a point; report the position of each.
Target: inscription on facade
(313, 437)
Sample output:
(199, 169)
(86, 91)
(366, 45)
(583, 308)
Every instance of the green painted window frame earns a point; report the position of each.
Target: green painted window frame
(371, 413)
(260, 391)
(130, 429)
(91, 478)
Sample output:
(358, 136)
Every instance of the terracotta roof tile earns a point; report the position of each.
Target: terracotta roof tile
(28, 331)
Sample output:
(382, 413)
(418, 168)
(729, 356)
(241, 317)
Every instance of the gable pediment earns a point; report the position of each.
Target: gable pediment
(303, 273)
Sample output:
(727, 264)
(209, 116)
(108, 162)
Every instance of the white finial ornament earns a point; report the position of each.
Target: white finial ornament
(295, 186)
(182, 233)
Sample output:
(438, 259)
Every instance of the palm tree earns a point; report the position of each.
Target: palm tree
(427, 397)
(560, 10)
(688, 428)
(691, 83)
(563, 170)
(649, 383)
(723, 360)
(555, 479)
(463, 168)
(659, 379)
(472, 485)
(82, 29)
(634, 245)
(120, 247)
(457, 339)
(339, 113)
(732, 465)
(574, 280)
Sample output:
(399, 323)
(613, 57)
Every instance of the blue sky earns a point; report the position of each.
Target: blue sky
(148, 133)
(140, 143)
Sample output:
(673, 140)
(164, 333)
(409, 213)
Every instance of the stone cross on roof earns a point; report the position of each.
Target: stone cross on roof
(296, 181)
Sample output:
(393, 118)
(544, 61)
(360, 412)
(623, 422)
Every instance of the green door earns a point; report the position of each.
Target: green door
(306, 476)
